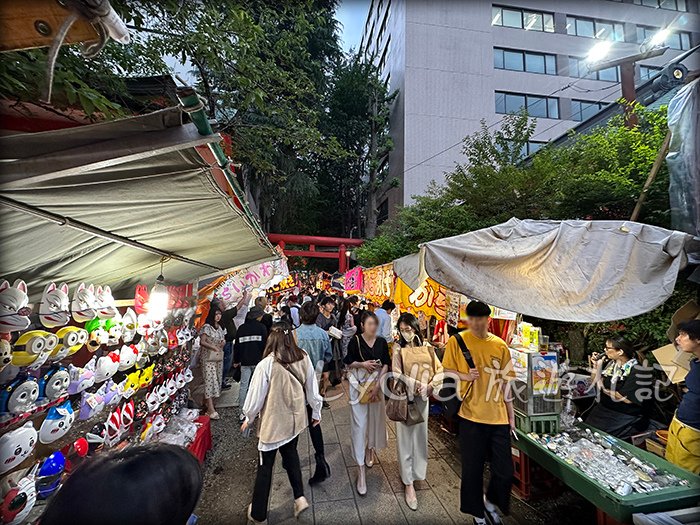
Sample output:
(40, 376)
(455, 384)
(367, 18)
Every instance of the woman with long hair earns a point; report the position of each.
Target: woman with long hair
(368, 361)
(282, 384)
(621, 408)
(212, 339)
(346, 323)
(417, 366)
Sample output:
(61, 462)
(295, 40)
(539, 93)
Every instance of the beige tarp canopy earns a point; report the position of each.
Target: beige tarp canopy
(580, 271)
(65, 195)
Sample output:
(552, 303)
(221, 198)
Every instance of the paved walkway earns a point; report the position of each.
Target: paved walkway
(336, 500)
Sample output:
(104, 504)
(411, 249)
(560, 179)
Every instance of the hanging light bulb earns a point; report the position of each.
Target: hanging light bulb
(159, 298)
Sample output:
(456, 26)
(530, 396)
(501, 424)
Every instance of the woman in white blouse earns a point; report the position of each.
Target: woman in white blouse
(281, 385)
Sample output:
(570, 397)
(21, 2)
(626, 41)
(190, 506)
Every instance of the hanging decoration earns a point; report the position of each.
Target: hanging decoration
(353, 280)
(378, 283)
(428, 298)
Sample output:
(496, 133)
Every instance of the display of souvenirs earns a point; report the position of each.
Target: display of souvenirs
(16, 446)
(58, 421)
(601, 459)
(14, 304)
(84, 303)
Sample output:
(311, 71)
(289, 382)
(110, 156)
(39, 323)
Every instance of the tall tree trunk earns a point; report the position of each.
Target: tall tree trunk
(372, 212)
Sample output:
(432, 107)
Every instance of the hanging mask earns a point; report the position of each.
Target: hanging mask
(70, 340)
(152, 402)
(180, 380)
(158, 423)
(112, 393)
(146, 376)
(162, 393)
(105, 306)
(141, 410)
(171, 386)
(129, 325)
(127, 414)
(92, 403)
(19, 396)
(58, 421)
(5, 354)
(188, 376)
(48, 478)
(114, 329)
(173, 342)
(142, 358)
(33, 348)
(19, 502)
(127, 357)
(131, 384)
(14, 307)
(83, 305)
(96, 436)
(97, 335)
(54, 383)
(106, 366)
(113, 428)
(16, 446)
(54, 309)
(80, 379)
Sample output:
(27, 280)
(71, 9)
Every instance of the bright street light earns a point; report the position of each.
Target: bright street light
(598, 52)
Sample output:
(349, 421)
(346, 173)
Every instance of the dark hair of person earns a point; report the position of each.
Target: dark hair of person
(410, 320)
(344, 308)
(308, 313)
(149, 485)
(286, 313)
(692, 328)
(388, 305)
(368, 315)
(620, 343)
(213, 310)
(281, 343)
(354, 300)
(327, 300)
(293, 298)
(478, 309)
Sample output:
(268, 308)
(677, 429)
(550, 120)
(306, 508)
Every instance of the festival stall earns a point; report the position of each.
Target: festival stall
(580, 271)
(106, 230)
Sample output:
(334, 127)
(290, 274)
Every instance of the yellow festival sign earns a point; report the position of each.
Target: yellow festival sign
(378, 285)
(428, 298)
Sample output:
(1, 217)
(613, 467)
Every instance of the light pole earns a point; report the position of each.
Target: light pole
(652, 47)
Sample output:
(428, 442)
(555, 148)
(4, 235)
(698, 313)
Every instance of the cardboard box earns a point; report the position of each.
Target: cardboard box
(666, 356)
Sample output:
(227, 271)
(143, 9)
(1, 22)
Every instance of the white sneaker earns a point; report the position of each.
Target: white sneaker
(491, 513)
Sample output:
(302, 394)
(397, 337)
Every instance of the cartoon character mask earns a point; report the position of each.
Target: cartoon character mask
(83, 304)
(80, 379)
(33, 348)
(106, 366)
(105, 306)
(54, 383)
(20, 395)
(146, 376)
(114, 329)
(14, 307)
(112, 393)
(48, 478)
(16, 446)
(19, 501)
(5, 354)
(70, 340)
(92, 403)
(131, 384)
(129, 325)
(98, 336)
(127, 357)
(54, 307)
(58, 421)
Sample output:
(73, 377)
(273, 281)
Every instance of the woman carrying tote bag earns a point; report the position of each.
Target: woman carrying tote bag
(418, 368)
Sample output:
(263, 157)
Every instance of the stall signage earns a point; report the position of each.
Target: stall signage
(379, 283)
(257, 276)
(428, 298)
(353, 280)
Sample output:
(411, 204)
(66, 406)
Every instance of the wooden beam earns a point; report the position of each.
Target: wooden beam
(31, 24)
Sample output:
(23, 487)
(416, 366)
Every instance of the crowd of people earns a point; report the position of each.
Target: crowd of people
(287, 357)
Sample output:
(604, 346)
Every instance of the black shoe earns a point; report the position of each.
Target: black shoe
(323, 470)
(326, 405)
(226, 387)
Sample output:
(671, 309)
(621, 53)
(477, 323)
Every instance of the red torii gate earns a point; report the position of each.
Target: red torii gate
(312, 241)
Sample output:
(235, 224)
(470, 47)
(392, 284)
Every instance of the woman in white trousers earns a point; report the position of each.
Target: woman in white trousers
(420, 369)
(368, 361)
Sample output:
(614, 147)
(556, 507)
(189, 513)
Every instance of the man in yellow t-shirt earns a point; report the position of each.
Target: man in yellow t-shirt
(486, 415)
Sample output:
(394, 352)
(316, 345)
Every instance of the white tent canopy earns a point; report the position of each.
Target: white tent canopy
(579, 271)
(65, 195)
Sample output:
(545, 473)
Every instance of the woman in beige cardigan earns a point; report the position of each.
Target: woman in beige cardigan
(420, 370)
(281, 385)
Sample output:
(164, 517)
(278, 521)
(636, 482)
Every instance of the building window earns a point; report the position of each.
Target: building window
(524, 61)
(522, 19)
(673, 5)
(382, 61)
(591, 28)
(584, 109)
(534, 146)
(675, 40)
(579, 69)
(535, 105)
(647, 72)
(383, 212)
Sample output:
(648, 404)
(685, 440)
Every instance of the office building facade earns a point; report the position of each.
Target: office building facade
(458, 62)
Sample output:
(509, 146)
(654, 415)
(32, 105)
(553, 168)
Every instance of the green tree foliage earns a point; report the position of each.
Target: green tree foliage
(598, 175)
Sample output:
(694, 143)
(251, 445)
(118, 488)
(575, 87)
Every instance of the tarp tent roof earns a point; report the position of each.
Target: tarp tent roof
(140, 178)
(579, 271)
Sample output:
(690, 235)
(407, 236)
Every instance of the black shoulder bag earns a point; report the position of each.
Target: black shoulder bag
(449, 392)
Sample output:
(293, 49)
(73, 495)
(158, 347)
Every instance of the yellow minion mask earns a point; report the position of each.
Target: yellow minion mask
(70, 340)
(34, 346)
